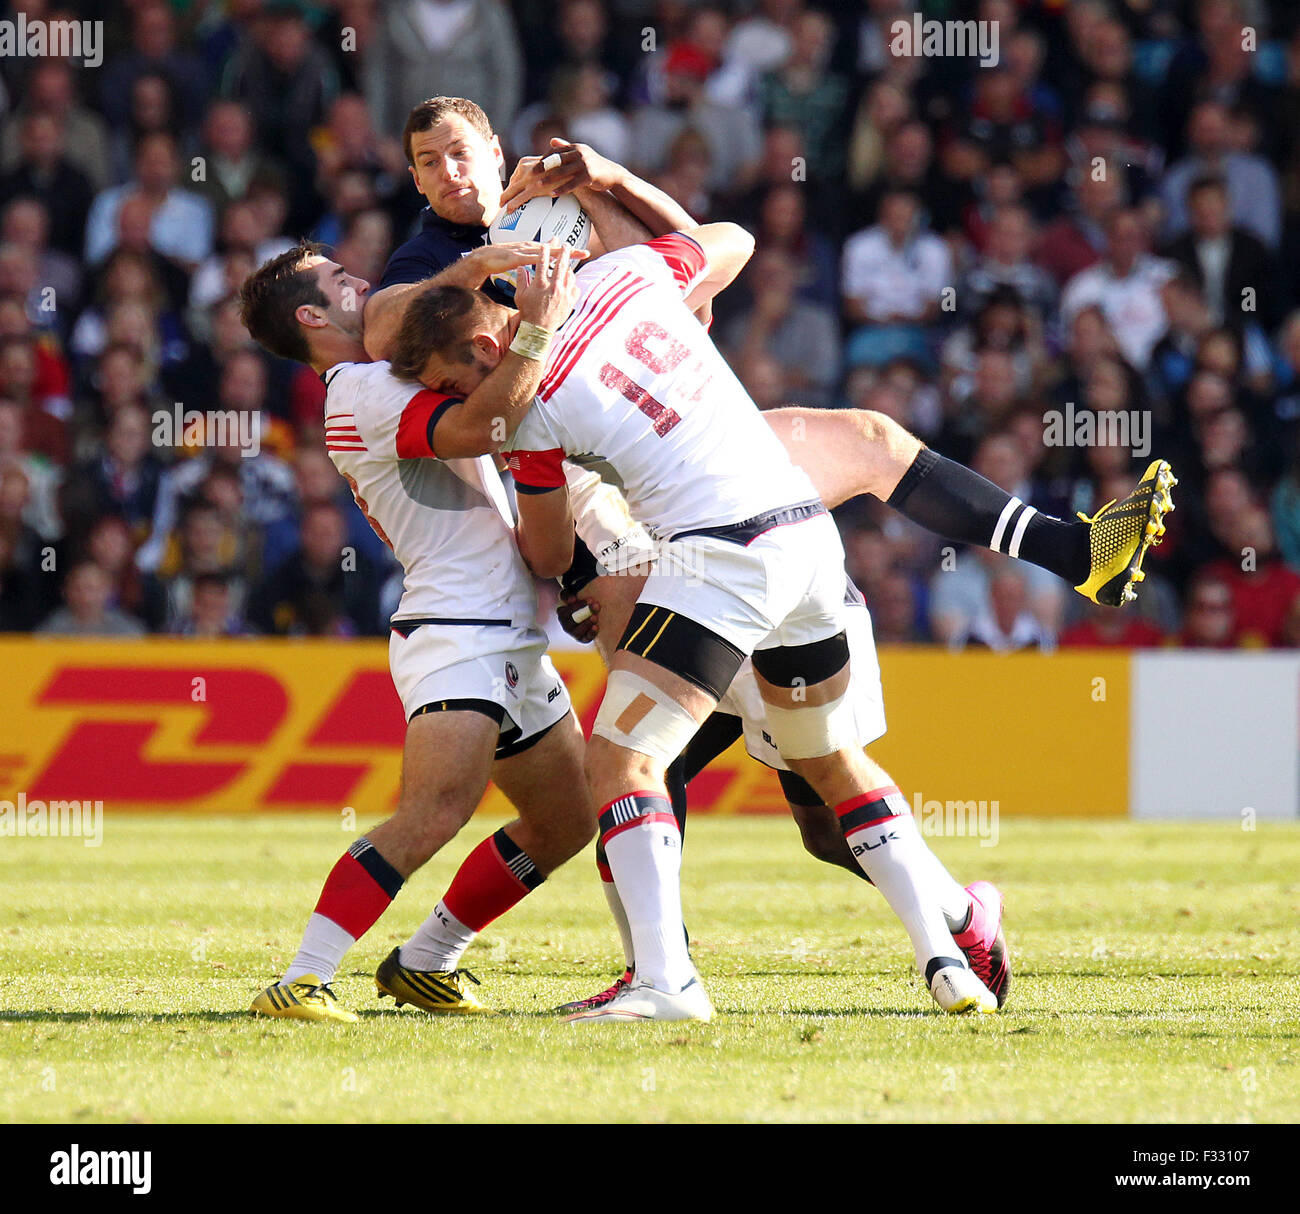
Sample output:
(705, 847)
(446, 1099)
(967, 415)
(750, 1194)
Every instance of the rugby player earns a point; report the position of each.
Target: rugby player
(633, 388)
(481, 698)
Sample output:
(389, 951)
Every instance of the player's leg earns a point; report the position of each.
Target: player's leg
(648, 715)
(804, 688)
(538, 765)
(819, 829)
(437, 798)
(848, 452)
(976, 922)
(613, 596)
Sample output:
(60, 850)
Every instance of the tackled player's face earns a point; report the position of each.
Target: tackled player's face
(458, 377)
(458, 171)
(346, 294)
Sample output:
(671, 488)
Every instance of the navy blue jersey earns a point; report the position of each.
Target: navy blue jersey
(436, 246)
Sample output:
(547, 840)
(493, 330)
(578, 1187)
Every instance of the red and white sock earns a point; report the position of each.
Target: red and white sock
(357, 891)
(615, 908)
(644, 847)
(495, 875)
(889, 848)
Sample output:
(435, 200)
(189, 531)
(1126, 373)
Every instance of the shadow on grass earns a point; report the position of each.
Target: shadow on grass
(10, 1016)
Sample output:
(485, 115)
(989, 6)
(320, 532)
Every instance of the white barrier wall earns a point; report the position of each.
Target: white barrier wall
(1214, 735)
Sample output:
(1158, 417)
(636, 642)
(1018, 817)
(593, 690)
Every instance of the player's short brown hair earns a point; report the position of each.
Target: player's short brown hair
(439, 320)
(433, 110)
(271, 295)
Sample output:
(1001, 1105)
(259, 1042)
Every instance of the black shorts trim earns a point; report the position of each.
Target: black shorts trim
(512, 744)
(682, 646)
(405, 627)
(803, 665)
(486, 707)
(748, 530)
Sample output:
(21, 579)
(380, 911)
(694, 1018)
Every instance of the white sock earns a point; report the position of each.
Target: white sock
(954, 901)
(321, 951)
(439, 942)
(620, 918)
(646, 860)
(895, 857)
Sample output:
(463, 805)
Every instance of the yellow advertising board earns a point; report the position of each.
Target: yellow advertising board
(260, 725)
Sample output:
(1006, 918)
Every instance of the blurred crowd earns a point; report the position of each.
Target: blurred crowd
(1055, 268)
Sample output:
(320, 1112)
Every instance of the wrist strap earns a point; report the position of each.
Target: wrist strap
(531, 341)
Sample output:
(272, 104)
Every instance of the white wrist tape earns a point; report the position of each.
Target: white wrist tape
(531, 341)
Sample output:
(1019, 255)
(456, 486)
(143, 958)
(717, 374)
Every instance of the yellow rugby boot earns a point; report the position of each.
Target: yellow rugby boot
(440, 991)
(305, 998)
(1120, 534)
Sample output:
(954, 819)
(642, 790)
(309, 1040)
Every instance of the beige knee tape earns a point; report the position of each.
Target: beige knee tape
(812, 730)
(637, 714)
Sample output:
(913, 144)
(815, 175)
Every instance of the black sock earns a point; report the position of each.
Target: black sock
(675, 782)
(949, 499)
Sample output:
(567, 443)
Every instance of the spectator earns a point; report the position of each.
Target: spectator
(803, 93)
(1006, 263)
(124, 479)
(42, 170)
(1234, 269)
(1106, 628)
(154, 50)
(1076, 240)
(1005, 624)
(25, 223)
(802, 337)
(181, 221)
(1209, 622)
(320, 589)
(1252, 183)
(211, 613)
(87, 594)
(52, 90)
(232, 162)
(456, 50)
(1126, 287)
(894, 275)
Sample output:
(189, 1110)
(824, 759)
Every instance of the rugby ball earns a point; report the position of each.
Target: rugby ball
(549, 220)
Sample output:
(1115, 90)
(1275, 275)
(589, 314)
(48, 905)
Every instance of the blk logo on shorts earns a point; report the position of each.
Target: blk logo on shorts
(512, 676)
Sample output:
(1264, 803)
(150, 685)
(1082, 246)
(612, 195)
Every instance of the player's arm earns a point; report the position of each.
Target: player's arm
(485, 421)
(624, 209)
(545, 530)
(386, 308)
(703, 259)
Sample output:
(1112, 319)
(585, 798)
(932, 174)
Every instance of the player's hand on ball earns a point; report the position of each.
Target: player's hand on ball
(564, 170)
(548, 296)
(569, 609)
(501, 258)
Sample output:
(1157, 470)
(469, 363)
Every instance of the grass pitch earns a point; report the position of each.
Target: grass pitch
(1155, 980)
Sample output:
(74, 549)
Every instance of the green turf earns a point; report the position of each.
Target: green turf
(1155, 981)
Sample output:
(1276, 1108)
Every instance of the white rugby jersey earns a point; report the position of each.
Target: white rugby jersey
(447, 521)
(636, 390)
